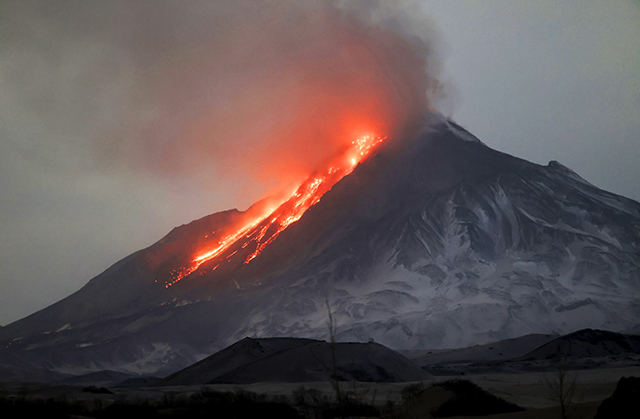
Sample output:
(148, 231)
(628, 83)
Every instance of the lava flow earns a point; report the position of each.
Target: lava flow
(258, 232)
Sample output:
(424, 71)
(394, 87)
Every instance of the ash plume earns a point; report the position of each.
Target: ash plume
(226, 89)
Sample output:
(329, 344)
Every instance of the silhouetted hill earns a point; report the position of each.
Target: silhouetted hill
(298, 360)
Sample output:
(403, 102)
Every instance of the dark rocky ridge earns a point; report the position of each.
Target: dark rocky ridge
(293, 360)
(583, 349)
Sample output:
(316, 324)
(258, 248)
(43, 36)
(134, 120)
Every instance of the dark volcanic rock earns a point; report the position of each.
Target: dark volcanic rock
(623, 403)
(472, 400)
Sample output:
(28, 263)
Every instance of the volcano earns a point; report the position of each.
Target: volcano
(432, 240)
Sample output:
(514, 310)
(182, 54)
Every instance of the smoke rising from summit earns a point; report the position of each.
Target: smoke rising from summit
(126, 116)
(264, 90)
(88, 167)
(267, 89)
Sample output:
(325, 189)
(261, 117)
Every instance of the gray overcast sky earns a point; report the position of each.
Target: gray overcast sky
(541, 80)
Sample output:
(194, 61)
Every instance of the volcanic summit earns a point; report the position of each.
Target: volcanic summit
(429, 241)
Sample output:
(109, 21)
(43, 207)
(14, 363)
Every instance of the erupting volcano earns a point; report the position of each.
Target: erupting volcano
(431, 240)
(257, 232)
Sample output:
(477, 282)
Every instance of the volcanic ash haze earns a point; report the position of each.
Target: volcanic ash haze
(303, 90)
(416, 233)
(272, 90)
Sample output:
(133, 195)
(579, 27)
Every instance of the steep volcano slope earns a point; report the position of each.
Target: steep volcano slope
(443, 242)
(435, 241)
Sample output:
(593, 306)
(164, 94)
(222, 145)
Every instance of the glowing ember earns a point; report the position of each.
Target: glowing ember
(263, 229)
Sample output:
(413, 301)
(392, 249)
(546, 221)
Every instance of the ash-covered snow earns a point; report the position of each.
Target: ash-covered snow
(436, 118)
(440, 243)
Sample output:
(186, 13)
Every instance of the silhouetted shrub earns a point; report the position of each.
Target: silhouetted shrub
(349, 408)
(204, 404)
(126, 410)
(238, 404)
(309, 396)
(411, 391)
(312, 403)
(96, 390)
(50, 409)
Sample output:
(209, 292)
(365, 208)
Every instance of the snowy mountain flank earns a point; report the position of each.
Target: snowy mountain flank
(434, 241)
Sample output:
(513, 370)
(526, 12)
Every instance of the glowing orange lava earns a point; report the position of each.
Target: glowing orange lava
(264, 228)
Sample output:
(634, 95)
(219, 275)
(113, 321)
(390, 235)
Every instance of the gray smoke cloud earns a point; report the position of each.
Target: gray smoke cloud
(123, 119)
(225, 89)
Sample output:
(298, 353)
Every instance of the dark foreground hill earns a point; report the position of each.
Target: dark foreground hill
(584, 349)
(588, 343)
(299, 360)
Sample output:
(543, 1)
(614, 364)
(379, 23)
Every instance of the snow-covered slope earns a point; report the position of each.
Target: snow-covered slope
(449, 243)
(436, 241)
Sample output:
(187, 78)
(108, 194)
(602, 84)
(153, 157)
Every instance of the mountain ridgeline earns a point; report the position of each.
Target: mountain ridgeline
(434, 241)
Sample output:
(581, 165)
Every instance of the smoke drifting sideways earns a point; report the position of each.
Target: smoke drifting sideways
(224, 90)
(264, 89)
